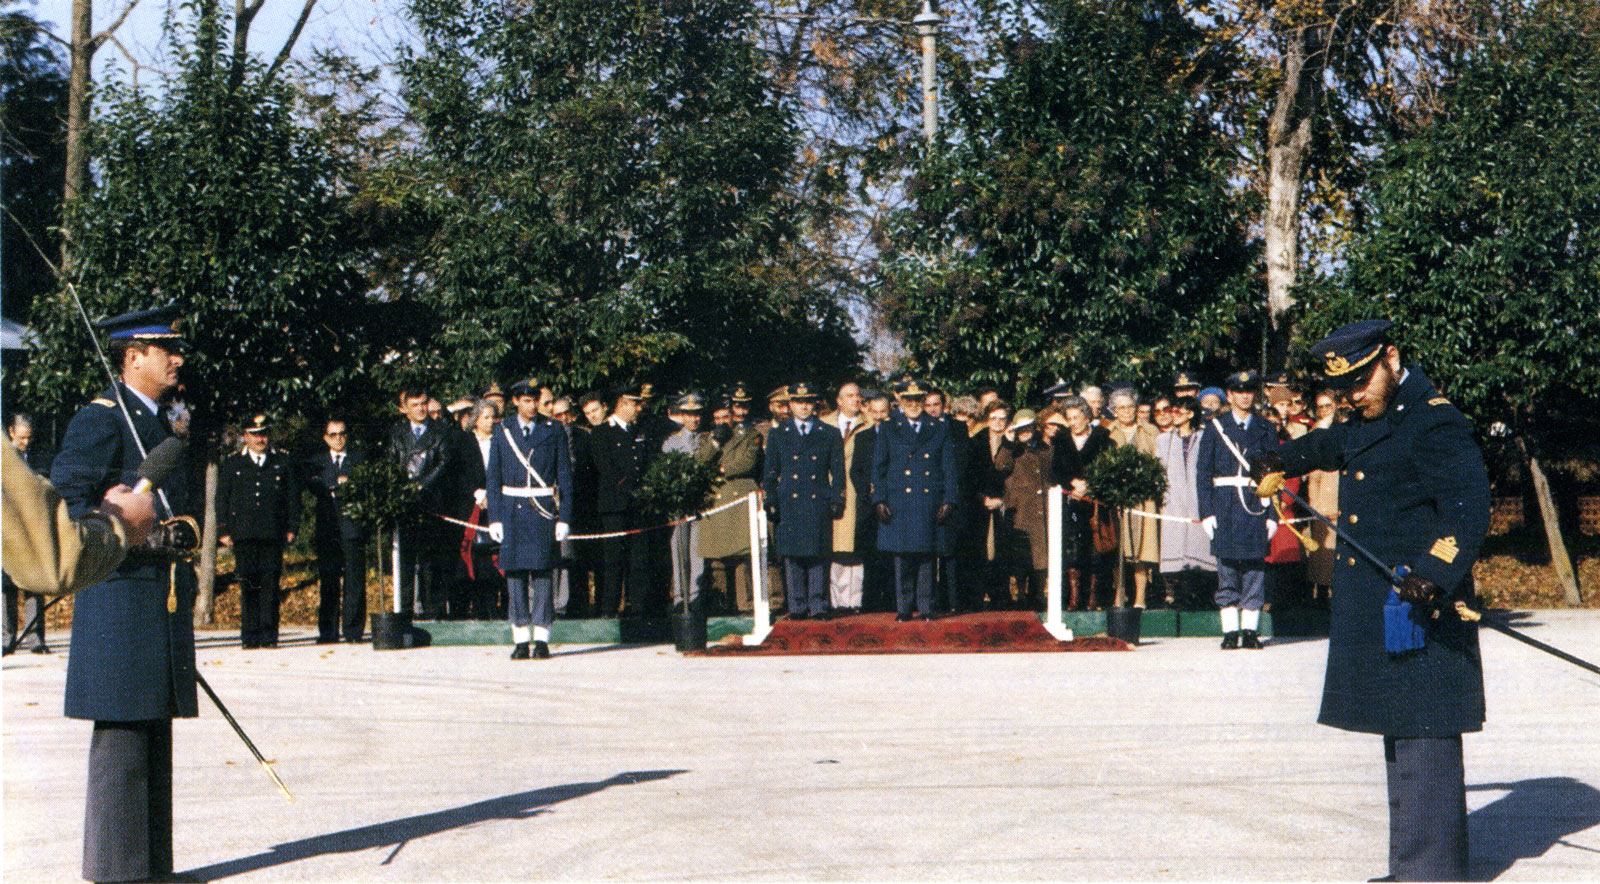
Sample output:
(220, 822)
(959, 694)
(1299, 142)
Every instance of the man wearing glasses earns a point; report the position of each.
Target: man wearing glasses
(340, 541)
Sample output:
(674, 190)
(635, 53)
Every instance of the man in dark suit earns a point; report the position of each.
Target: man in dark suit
(131, 666)
(425, 449)
(622, 449)
(258, 508)
(340, 542)
(915, 480)
(1412, 490)
(804, 482)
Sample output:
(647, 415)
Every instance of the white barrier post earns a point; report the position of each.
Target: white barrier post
(397, 570)
(1054, 623)
(758, 571)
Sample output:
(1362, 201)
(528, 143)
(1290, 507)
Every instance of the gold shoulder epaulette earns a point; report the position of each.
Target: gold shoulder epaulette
(101, 400)
(1438, 400)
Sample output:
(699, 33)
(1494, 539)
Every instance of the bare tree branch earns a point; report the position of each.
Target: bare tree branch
(99, 39)
(288, 45)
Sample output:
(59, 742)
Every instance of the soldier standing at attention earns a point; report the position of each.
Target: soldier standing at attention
(725, 538)
(131, 666)
(622, 451)
(804, 486)
(1240, 524)
(1413, 491)
(258, 507)
(915, 480)
(528, 483)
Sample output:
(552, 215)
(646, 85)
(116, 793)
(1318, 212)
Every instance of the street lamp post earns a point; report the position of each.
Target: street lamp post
(927, 22)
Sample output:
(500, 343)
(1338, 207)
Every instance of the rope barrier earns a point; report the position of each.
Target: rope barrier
(685, 520)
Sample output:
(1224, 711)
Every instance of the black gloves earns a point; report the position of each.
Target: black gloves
(883, 513)
(942, 514)
(1419, 591)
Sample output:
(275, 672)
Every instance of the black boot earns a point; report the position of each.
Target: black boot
(1230, 641)
(520, 652)
(1249, 640)
(541, 650)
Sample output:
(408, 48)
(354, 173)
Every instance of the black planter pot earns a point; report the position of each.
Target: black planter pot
(1123, 623)
(392, 632)
(689, 628)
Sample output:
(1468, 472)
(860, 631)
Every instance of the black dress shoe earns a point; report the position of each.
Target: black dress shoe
(1230, 641)
(330, 640)
(541, 650)
(39, 649)
(904, 618)
(1249, 640)
(520, 652)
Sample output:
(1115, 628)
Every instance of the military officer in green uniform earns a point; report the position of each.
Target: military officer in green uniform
(1413, 491)
(725, 537)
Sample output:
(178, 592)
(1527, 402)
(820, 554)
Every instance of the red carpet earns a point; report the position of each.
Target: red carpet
(995, 631)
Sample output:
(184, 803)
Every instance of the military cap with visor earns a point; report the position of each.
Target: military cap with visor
(1346, 357)
(803, 391)
(158, 326)
(1242, 381)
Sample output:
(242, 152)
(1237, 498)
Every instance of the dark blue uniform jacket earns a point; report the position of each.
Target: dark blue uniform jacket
(804, 478)
(1413, 491)
(913, 472)
(529, 522)
(131, 659)
(1241, 515)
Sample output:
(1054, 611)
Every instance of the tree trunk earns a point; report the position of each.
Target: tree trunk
(77, 160)
(1288, 141)
(205, 598)
(1552, 528)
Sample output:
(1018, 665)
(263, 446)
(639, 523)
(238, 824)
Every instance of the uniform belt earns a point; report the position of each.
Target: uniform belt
(1231, 482)
(513, 491)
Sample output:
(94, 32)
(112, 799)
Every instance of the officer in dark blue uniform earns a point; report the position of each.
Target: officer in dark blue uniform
(1240, 524)
(528, 483)
(804, 482)
(623, 449)
(915, 481)
(258, 508)
(131, 669)
(1413, 491)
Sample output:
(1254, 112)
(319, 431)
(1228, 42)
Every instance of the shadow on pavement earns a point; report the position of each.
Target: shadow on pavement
(1533, 817)
(521, 805)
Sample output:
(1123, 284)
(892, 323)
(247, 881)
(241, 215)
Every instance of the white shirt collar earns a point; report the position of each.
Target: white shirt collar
(149, 404)
(617, 422)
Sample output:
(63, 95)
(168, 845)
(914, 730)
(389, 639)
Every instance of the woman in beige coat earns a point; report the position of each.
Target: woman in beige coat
(1140, 538)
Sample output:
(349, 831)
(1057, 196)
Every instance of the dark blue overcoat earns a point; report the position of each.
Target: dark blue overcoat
(1241, 515)
(131, 659)
(804, 478)
(913, 472)
(1413, 491)
(529, 523)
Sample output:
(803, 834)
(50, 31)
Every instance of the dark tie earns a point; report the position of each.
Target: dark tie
(416, 432)
(527, 431)
(338, 463)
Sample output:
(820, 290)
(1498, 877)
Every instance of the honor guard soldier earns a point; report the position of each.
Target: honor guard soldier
(622, 452)
(915, 480)
(804, 487)
(529, 489)
(1240, 524)
(1414, 492)
(131, 667)
(258, 507)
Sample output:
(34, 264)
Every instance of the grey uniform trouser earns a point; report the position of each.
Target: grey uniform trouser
(1427, 808)
(127, 828)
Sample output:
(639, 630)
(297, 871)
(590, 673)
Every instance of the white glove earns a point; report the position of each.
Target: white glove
(497, 532)
(1209, 523)
(1272, 528)
(563, 531)
(480, 497)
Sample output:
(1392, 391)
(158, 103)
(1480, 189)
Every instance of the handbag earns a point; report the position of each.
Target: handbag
(1105, 531)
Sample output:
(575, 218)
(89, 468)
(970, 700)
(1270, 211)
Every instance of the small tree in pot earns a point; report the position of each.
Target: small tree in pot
(1124, 478)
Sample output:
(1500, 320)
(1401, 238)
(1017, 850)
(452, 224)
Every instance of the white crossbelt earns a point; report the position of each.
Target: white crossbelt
(514, 491)
(1231, 482)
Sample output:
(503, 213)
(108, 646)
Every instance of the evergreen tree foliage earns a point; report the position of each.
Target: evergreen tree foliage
(1484, 246)
(33, 113)
(606, 180)
(1080, 223)
(208, 195)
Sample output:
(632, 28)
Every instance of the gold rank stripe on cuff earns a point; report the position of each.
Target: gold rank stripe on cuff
(1445, 550)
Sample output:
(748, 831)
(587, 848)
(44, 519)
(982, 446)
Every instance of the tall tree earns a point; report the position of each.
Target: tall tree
(1080, 222)
(607, 184)
(33, 105)
(1483, 246)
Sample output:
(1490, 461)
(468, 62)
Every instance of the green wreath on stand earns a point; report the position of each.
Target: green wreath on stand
(1124, 478)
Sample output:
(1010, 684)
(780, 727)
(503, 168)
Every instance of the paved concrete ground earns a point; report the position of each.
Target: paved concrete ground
(1173, 762)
